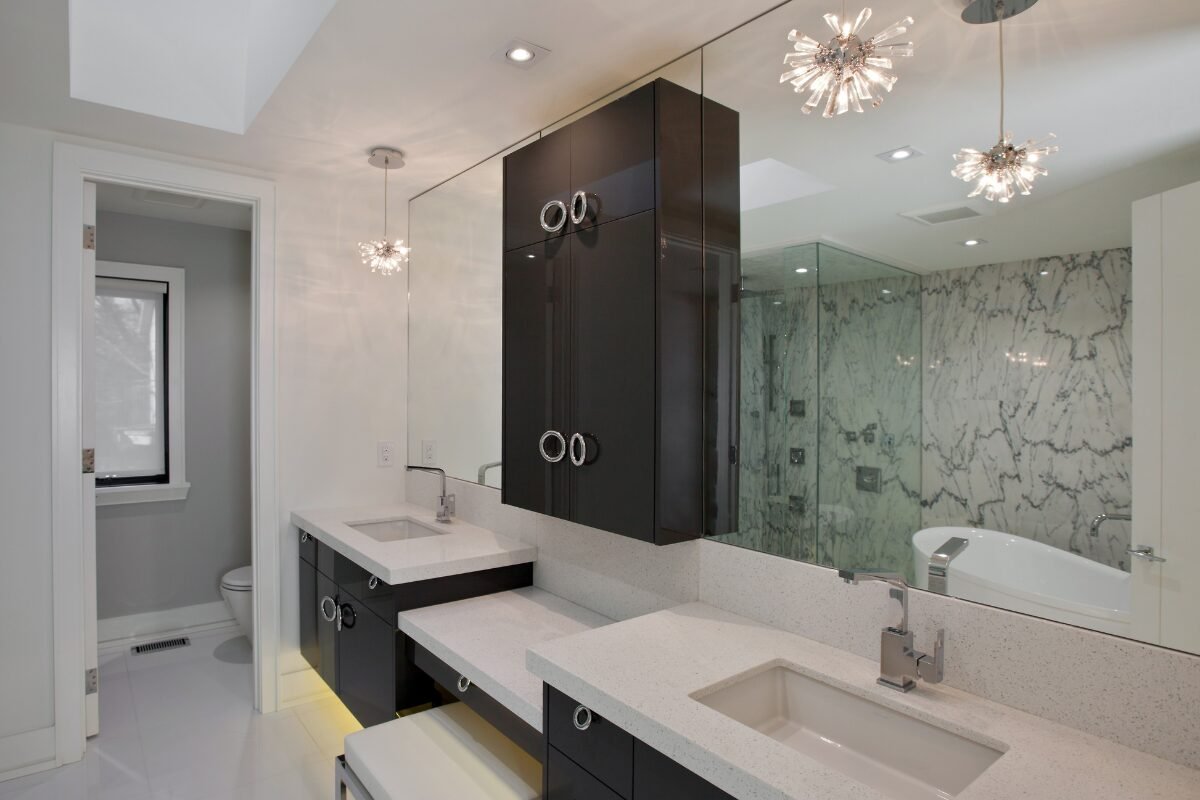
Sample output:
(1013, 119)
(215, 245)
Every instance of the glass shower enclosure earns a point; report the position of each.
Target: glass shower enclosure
(830, 408)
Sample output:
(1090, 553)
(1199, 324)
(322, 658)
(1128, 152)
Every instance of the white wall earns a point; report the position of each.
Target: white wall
(165, 555)
(342, 341)
(341, 334)
(26, 692)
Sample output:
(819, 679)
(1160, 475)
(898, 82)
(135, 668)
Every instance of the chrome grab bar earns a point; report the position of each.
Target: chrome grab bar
(939, 562)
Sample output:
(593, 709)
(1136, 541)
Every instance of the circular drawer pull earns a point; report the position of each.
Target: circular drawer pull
(328, 616)
(581, 458)
(579, 207)
(562, 446)
(554, 227)
(374, 582)
(304, 537)
(464, 683)
(582, 718)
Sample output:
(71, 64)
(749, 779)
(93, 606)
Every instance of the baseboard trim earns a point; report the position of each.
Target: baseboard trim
(27, 753)
(117, 632)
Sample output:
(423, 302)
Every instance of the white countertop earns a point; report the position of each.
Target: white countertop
(458, 546)
(486, 639)
(640, 673)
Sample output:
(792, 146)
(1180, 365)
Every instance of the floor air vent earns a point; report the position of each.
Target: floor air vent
(160, 645)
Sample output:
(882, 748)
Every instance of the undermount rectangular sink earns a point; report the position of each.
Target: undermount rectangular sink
(895, 754)
(395, 530)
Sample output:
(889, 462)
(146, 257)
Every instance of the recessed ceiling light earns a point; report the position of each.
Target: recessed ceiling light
(905, 153)
(802, 270)
(520, 53)
(531, 255)
(973, 242)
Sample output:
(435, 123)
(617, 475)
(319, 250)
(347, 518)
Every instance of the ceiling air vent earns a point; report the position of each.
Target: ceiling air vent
(939, 216)
(158, 198)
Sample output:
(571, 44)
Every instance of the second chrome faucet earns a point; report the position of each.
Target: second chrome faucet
(900, 665)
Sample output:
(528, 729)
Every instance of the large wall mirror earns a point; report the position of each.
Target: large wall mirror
(924, 377)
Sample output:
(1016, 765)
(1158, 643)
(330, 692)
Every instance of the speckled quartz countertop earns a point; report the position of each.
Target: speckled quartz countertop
(452, 549)
(640, 674)
(486, 638)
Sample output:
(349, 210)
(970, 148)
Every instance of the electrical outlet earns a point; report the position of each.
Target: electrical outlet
(429, 453)
(387, 454)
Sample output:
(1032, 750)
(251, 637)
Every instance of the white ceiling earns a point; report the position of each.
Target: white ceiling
(1115, 81)
(420, 76)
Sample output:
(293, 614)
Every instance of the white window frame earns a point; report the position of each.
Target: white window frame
(178, 486)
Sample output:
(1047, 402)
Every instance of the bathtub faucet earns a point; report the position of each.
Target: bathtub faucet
(1100, 519)
(899, 664)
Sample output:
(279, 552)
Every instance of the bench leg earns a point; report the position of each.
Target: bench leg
(345, 783)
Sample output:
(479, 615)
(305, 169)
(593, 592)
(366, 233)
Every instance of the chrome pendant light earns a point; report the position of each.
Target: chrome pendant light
(1004, 169)
(848, 70)
(381, 255)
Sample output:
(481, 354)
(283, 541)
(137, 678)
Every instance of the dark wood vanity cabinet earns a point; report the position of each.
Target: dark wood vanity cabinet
(589, 758)
(606, 407)
(349, 629)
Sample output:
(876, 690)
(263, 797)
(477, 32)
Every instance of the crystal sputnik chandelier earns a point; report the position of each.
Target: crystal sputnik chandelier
(1005, 169)
(381, 255)
(847, 70)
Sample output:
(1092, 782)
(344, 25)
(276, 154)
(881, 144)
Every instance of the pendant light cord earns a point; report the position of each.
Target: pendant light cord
(386, 167)
(1000, 27)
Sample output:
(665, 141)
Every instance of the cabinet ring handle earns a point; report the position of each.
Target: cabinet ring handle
(464, 683)
(582, 718)
(331, 615)
(562, 446)
(549, 227)
(304, 537)
(579, 207)
(373, 582)
(578, 460)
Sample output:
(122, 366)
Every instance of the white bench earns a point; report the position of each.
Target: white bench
(446, 753)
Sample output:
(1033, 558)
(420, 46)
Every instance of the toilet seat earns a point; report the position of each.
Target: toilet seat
(238, 580)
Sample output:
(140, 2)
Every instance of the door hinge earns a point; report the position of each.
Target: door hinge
(89, 460)
(91, 681)
(89, 237)
(733, 454)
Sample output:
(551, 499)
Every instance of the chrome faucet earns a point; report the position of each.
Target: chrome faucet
(483, 471)
(1100, 519)
(899, 664)
(445, 508)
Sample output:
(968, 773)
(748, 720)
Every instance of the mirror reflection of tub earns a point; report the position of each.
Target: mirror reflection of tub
(1027, 576)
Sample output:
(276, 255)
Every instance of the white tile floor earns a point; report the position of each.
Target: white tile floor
(181, 725)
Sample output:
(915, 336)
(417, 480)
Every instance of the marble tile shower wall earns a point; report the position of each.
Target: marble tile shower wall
(1028, 401)
(776, 487)
(870, 341)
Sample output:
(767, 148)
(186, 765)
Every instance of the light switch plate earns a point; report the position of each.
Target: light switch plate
(387, 454)
(428, 452)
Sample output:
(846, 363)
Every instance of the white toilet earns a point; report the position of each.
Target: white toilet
(237, 587)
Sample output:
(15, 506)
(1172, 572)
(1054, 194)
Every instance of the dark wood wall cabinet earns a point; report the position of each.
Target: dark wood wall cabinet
(349, 633)
(589, 758)
(612, 287)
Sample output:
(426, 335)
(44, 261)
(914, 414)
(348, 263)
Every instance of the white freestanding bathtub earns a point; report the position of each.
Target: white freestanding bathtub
(1023, 575)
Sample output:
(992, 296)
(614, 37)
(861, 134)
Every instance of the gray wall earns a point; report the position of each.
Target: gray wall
(156, 556)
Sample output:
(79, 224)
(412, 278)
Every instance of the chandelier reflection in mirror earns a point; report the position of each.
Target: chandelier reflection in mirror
(381, 255)
(848, 70)
(1005, 169)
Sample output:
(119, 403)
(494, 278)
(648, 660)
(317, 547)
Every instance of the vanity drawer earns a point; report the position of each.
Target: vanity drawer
(518, 730)
(657, 777)
(326, 560)
(566, 780)
(590, 741)
(308, 548)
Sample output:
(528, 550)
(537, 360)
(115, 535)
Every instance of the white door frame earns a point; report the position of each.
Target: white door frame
(73, 164)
